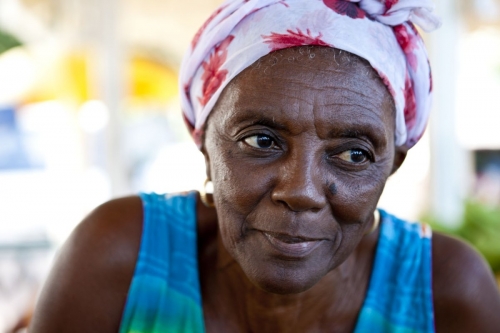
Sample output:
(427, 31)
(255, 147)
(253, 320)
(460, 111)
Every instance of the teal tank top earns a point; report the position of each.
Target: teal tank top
(165, 296)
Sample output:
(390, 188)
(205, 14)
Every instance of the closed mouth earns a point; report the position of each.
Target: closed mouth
(290, 239)
(291, 246)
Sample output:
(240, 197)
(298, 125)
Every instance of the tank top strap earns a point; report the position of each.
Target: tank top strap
(165, 295)
(399, 297)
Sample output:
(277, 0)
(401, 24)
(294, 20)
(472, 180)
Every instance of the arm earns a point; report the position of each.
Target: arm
(466, 297)
(87, 287)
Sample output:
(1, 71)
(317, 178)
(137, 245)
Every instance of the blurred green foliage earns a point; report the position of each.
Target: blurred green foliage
(7, 42)
(480, 227)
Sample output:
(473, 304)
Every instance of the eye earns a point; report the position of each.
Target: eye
(260, 141)
(357, 156)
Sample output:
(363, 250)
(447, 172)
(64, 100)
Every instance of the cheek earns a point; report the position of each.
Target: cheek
(356, 195)
(239, 187)
(239, 184)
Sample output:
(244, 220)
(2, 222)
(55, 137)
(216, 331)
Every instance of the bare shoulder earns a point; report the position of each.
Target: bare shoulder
(87, 287)
(466, 297)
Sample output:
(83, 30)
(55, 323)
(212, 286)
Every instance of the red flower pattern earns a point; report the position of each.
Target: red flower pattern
(408, 43)
(196, 38)
(345, 7)
(213, 76)
(290, 39)
(410, 103)
(390, 3)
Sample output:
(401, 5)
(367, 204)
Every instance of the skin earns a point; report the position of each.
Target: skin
(295, 148)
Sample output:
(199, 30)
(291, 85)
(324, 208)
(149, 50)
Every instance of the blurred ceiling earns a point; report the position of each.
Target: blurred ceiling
(162, 27)
(167, 23)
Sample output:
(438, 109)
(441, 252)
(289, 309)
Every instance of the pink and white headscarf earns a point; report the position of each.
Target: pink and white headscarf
(240, 32)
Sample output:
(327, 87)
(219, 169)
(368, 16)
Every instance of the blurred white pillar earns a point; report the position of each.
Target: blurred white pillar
(109, 69)
(449, 176)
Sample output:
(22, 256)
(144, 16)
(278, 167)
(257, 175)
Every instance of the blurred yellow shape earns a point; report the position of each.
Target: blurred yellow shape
(66, 78)
(152, 81)
(71, 79)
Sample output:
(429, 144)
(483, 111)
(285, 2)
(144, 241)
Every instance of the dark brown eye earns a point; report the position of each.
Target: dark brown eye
(260, 141)
(354, 156)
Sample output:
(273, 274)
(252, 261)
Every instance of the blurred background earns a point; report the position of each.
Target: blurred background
(89, 111)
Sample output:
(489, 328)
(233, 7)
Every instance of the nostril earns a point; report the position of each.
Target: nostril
(315, 210)
(298, 201)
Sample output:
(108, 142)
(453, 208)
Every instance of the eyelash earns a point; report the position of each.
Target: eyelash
(366, 155)
(274, 145)
(257, 136)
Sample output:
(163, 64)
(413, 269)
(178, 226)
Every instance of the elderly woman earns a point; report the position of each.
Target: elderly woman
(302, 109)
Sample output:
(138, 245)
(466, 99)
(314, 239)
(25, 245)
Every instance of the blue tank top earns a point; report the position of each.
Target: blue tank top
(165, 294)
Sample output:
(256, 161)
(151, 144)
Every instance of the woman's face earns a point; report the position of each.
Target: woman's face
(299, 150)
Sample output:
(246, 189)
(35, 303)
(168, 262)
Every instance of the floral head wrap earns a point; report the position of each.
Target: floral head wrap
(240, 32)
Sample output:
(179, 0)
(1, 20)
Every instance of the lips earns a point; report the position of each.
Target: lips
(291, 246)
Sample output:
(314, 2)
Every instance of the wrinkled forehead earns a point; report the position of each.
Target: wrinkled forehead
(301, 82)
(314, 66)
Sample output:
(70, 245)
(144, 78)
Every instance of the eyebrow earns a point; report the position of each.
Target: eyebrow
(248, 118)
(268, 122)
(361, 131)
(347, 133)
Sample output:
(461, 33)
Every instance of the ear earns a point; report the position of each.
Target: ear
(207, 162)
(399, 157)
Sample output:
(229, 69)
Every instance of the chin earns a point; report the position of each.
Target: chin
(285, 281)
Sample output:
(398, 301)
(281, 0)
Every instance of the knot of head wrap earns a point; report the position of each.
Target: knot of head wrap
(240, 32)
(396, 12)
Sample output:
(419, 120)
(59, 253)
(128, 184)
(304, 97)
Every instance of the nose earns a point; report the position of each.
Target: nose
(300, 185)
